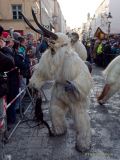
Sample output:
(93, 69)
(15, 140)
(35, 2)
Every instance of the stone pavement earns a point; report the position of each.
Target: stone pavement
(35, 143)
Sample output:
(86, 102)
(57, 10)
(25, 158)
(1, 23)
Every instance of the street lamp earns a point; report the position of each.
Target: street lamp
(90, 30)
(109, 18)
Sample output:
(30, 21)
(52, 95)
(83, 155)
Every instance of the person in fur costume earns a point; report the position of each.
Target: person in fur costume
(71, 89)
(78, 46)
(72, 84)
(112, 80)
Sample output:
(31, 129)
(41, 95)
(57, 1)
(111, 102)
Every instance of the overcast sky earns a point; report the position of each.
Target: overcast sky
(75, 11)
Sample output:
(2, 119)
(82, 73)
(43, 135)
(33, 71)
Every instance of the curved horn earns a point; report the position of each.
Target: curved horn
(30, 25)
(46, 32)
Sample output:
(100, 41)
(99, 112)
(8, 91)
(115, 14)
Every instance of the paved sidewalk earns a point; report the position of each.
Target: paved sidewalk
(35, 143)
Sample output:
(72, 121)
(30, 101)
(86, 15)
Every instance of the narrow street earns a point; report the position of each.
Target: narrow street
(35, 144)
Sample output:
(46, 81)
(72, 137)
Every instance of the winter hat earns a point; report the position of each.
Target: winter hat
(16, 35)
(5, 36)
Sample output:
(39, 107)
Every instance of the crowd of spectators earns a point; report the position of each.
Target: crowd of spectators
(102, 52)
(17, 55)
(19, 52)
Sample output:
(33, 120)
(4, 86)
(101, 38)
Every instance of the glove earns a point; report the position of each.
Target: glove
(69, 87)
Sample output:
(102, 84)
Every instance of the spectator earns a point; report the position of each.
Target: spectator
(106, 54)
(4, 59)
(5, 64)
(30, 38)
(99, 54)
(13, 82)
(41, 47)
(97, 42)
(115, 49)
(31, 49)
(88, 47)
(38, 54)
(23, 62)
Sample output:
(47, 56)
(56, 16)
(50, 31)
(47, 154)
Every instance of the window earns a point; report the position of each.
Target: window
(16, 9)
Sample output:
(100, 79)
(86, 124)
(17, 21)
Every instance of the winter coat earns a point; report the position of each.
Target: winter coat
(22, 61)
(6, 63)
(12, 76)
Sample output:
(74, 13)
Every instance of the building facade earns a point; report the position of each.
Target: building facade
(10, 14)
(100, 20)
(58, 18)
(46, 11)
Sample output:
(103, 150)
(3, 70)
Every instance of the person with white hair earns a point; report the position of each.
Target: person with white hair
(30, 38)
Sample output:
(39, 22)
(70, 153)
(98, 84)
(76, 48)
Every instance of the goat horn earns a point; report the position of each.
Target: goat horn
(46, 32)
(30, 25)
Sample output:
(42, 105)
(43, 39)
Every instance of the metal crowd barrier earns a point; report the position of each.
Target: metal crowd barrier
(5, 138)
(19, 94)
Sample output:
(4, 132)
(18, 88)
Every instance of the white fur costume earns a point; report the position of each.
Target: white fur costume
(80, 49)
(112, 80)
(60, 66)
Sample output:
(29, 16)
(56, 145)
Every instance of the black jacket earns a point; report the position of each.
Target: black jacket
(12, 76)
(6, 63)
(23, 64)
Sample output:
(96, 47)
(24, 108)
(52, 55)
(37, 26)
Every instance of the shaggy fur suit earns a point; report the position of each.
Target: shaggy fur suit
(62, 64)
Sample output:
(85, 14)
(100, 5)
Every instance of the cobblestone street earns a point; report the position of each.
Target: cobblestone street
(35, 144)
